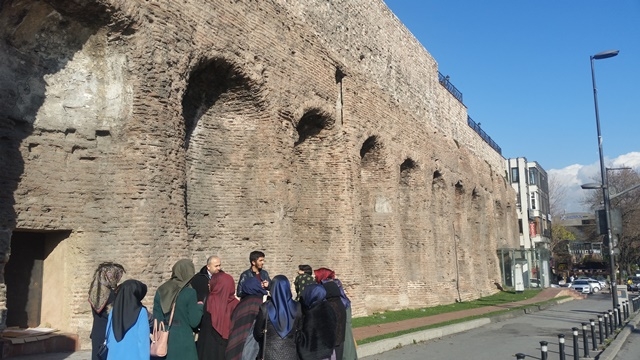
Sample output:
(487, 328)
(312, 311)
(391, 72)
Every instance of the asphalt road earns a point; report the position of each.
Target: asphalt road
(502, 340)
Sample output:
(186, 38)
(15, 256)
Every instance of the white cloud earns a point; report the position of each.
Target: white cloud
(572, 176)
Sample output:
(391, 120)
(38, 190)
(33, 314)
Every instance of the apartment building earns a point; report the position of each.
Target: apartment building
(531, 184)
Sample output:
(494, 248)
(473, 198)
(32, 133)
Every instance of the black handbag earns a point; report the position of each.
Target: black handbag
(103, 350)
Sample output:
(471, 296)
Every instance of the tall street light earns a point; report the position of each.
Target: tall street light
(603, 172)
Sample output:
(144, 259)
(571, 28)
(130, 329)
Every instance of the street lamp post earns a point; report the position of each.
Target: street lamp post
(603, 172)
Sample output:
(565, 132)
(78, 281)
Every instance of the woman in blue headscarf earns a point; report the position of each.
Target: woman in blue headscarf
(279, 316)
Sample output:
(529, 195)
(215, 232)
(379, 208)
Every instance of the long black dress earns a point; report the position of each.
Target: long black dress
(210, 344)
(333, 298)
(99, 327)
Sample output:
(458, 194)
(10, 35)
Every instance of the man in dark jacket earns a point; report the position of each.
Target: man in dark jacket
(256, 258)
(200, 281)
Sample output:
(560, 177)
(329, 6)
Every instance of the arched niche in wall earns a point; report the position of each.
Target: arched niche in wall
(230, 158)
(376, 209)
(316, 215)
(411, 210)
(440, 217)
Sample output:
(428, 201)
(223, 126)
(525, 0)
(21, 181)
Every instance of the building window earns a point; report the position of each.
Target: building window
(514, 175)
(520, 225)
(533, 176)
(533, 200)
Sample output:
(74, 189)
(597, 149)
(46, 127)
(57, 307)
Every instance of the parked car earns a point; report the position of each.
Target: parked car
(585, 287)
(635, 283)
(603, 281)
(597, 284)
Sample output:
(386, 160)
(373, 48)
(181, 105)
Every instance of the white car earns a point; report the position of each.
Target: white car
(596, 284)
(585, 287)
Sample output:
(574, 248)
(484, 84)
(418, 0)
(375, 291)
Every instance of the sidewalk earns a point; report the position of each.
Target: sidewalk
(381, 329)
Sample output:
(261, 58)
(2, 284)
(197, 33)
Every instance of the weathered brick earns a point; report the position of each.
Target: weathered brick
(316, 131)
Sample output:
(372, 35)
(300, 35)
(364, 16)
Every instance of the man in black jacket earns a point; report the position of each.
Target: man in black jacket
(200, 281)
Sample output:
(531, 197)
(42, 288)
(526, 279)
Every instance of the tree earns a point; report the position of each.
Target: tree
(557, 196)
(560, 236)
(629, 206)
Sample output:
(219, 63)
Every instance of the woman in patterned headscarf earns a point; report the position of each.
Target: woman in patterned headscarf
(187, 314)
(101, 296)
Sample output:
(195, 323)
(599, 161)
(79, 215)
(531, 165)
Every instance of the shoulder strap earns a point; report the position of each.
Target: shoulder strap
(173, 303)
(173, 307)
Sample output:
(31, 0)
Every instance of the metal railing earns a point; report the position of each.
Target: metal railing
(483, 135)
(444, 81)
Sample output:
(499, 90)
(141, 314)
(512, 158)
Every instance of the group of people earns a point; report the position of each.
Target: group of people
(209, 317)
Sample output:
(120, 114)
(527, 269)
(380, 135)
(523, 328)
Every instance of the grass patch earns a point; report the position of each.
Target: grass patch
(451, 322)
(498, 299)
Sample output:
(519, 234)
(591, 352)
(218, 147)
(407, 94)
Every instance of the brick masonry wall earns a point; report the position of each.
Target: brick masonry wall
(169, 130)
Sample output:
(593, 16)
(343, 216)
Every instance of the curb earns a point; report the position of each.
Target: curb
(380, 346)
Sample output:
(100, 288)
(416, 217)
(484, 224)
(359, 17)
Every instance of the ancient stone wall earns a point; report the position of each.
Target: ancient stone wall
(149, 131)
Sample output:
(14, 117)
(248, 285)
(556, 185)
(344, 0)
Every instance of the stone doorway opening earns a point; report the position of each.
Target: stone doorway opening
(35, 280)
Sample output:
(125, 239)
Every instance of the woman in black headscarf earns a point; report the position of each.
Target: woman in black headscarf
(281, 316)
(128, 326)
(101, 296)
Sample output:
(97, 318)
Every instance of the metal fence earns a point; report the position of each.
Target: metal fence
(444, 81)
(483, 135)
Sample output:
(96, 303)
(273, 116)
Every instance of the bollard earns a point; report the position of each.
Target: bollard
(561, 346)
(606, 324)
(574, 331)
(594, 346)
(585, 340)
(544, 348)
(600, 319)
(619, 316)
(625, 306)
(520, 356)
(611, 320)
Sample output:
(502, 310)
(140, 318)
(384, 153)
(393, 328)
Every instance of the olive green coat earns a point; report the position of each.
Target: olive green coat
(186, 318)
(350, 351)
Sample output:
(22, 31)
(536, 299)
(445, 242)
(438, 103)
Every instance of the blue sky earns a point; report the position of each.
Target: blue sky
(523, 68)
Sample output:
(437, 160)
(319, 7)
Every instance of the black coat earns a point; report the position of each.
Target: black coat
(317, 336)
(200, 283)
